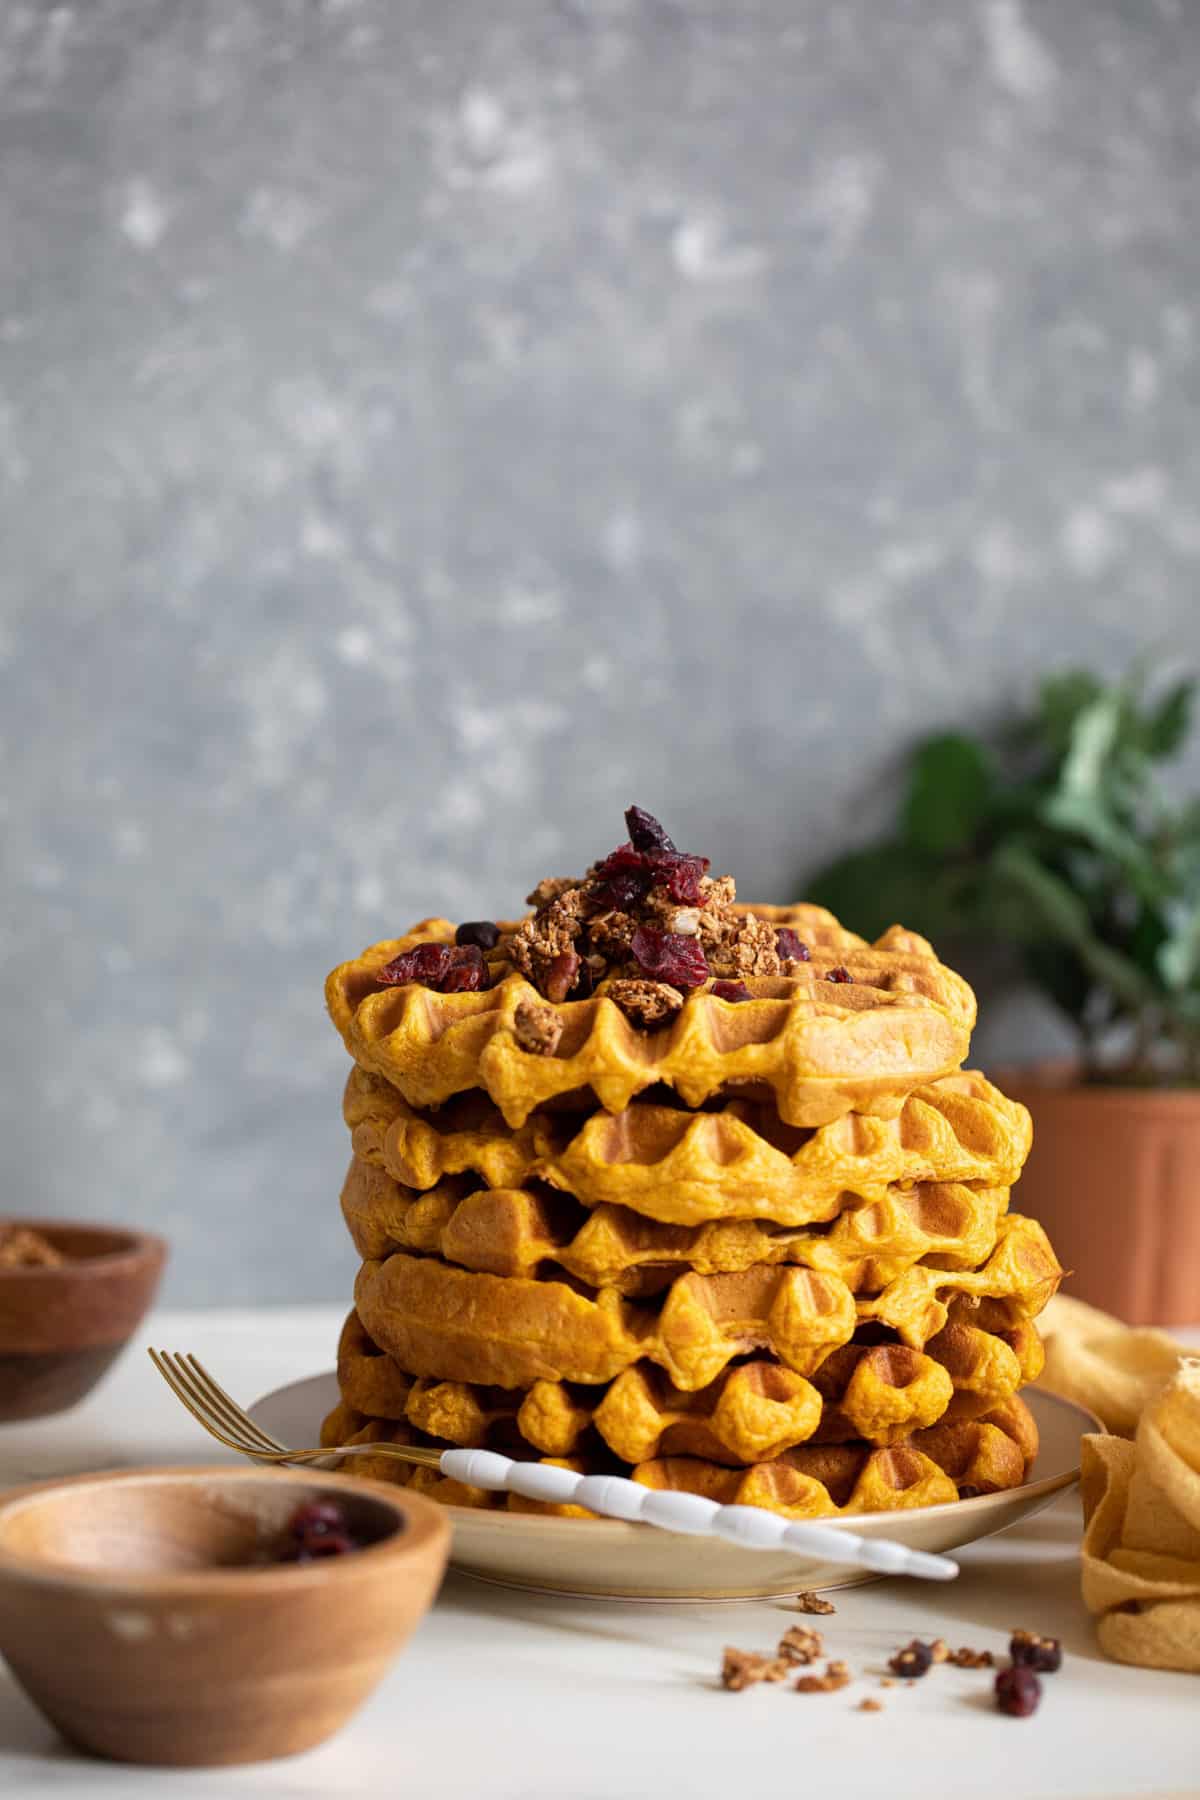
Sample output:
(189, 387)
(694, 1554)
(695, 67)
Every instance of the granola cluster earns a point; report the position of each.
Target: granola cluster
(647, 920)
(650, 921)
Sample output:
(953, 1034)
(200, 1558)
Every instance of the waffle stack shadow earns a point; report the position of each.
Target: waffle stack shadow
(759, 1253)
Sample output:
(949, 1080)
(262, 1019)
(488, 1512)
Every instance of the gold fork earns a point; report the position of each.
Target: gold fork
(610, 1495)
(231, 1425)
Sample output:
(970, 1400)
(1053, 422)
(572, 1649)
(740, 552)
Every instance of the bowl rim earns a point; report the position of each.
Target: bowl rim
(140, 1247)
(423, 1526)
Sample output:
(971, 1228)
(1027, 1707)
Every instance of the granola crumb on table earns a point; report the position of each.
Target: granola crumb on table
(800, 1644)
(971, 1659)
(837, 1675)
(743, 1668)
(808, 1602)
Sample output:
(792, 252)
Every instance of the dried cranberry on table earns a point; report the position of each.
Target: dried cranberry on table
(915, 1660)
(733, 991)
(1018, 1691)
(667, 956)
(791, 948)
(484, 933)
(1029, 1651)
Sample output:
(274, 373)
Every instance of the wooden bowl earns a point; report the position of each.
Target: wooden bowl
(129, 1616)
(61, 1328)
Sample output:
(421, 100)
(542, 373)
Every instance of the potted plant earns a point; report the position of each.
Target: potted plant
(1063, 842)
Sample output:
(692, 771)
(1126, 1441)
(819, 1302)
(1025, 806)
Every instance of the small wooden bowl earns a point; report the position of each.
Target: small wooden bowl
(61, 1328)
(129, 1616)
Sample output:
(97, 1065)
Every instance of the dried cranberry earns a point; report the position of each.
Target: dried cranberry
(483, 932)
(731, 990)
(561, 976)
(645, 832)
(915, 1660)
(316, 1516)
(312, 1549)
(668, 956)
(790, 947)
(625, 860)
(1029, 1651)
(839, 974)
(681, 876)
(1018, 1691)
(427, 964)
(451, 971)
(623, 891)
(467, 972)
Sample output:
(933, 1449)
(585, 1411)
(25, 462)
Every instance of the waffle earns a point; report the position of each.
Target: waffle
(931, 1468)
(525, 1231)
(454, 1324)
(686, 1168)
(823, 1048)
(881, 1393)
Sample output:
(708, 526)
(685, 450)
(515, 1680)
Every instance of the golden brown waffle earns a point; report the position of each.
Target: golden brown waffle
(880, 1393)
(822, 1047)
(931, 1468)
(527, 1231)
(453, 1324)
(741, 1162)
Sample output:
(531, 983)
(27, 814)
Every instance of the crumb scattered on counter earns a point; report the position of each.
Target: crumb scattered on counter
(808, 1602)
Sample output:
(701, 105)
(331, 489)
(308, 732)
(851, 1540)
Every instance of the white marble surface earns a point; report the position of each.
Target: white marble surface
(516, 1697)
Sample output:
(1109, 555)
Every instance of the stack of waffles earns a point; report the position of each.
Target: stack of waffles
(654, 1183)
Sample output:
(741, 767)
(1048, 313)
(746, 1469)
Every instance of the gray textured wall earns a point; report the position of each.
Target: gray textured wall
(425, 427)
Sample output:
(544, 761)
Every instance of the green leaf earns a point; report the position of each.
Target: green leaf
(1061, 699)
(1169, 723)
(1179, 955)
(1065, 917)
(1087, 817)
(1147, 939)
(949, 787)
(1094, 737)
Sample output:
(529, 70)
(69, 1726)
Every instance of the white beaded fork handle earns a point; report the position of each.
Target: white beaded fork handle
(751, 1526)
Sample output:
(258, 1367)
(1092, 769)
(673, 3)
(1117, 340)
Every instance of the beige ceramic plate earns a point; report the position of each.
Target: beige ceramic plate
(605, 1559)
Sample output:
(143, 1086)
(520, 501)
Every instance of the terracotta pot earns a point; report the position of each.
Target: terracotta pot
(1114, 1176)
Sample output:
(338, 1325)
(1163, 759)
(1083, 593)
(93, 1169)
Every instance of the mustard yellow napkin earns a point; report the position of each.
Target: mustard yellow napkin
(1141, 1539)
(1095, 1360)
